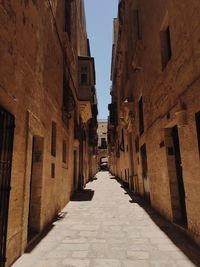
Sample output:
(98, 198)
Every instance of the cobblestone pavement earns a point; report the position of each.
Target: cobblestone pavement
(104, 227)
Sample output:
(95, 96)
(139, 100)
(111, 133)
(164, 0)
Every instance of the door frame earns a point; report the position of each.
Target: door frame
(144, 165)
(7, 125)
(179, 174)
(35, 188)
(175, 174)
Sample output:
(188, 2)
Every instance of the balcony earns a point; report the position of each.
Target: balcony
(86, 79)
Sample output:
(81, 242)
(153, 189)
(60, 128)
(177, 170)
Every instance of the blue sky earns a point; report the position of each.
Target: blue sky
(99, 17)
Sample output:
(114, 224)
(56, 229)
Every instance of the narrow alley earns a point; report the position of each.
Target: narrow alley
(103, 226)
(99, 133)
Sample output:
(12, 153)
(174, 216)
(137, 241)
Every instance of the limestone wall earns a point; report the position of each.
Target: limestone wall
(165, 91)
(31, 88)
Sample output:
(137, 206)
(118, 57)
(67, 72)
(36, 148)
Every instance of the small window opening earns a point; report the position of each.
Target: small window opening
(166, 51)
(53, 170)
(53, 139)
(64, 154)
(84, 78)
(141, 116)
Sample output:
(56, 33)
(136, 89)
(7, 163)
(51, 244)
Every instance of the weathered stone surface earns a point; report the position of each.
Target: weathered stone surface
(160, 97)
(32, 88)
(171, 248)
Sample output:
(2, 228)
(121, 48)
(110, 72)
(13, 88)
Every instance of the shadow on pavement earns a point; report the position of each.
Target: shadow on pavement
(38, 238)
(84, 195)
(93, 179)
(60, 216)
(175, 233)
(35, 241)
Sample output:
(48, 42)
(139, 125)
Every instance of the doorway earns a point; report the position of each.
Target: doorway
(7, 124)
(179, 175)
(35, 199)
(81, 165)
(143, 152)
(75, 171)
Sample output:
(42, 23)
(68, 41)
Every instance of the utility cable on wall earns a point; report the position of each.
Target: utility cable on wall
(61, 45)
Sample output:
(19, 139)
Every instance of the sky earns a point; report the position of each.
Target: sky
(99, 19)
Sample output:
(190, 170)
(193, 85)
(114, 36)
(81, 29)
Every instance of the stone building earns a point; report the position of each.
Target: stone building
(154, 122)
(102, 132)
(48, 112)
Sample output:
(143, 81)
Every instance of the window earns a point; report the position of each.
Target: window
(64, 154)
(84, 75)
(84, 69)
(136, 21)
(197, 116)
(84, 78)
(103, 143)
(141, 117)
(166, 52)
(53, 139)
(53, 170)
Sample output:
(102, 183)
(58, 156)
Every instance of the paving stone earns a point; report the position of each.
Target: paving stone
(74, 240)
(98, 250)
(45, 246)
(73, 247)
(162, 240)
(185, 263)
(80, 254)
(85, 227)
(139, 241)
(26, 260)
(167, 247)
(138, 255)
(88, 234)
(141, 247)
(162, 263)
(106, 263)
(58, 254)
(136, 263)
(98, 240)
(117, 253)
(48, 262)
(74, 263)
